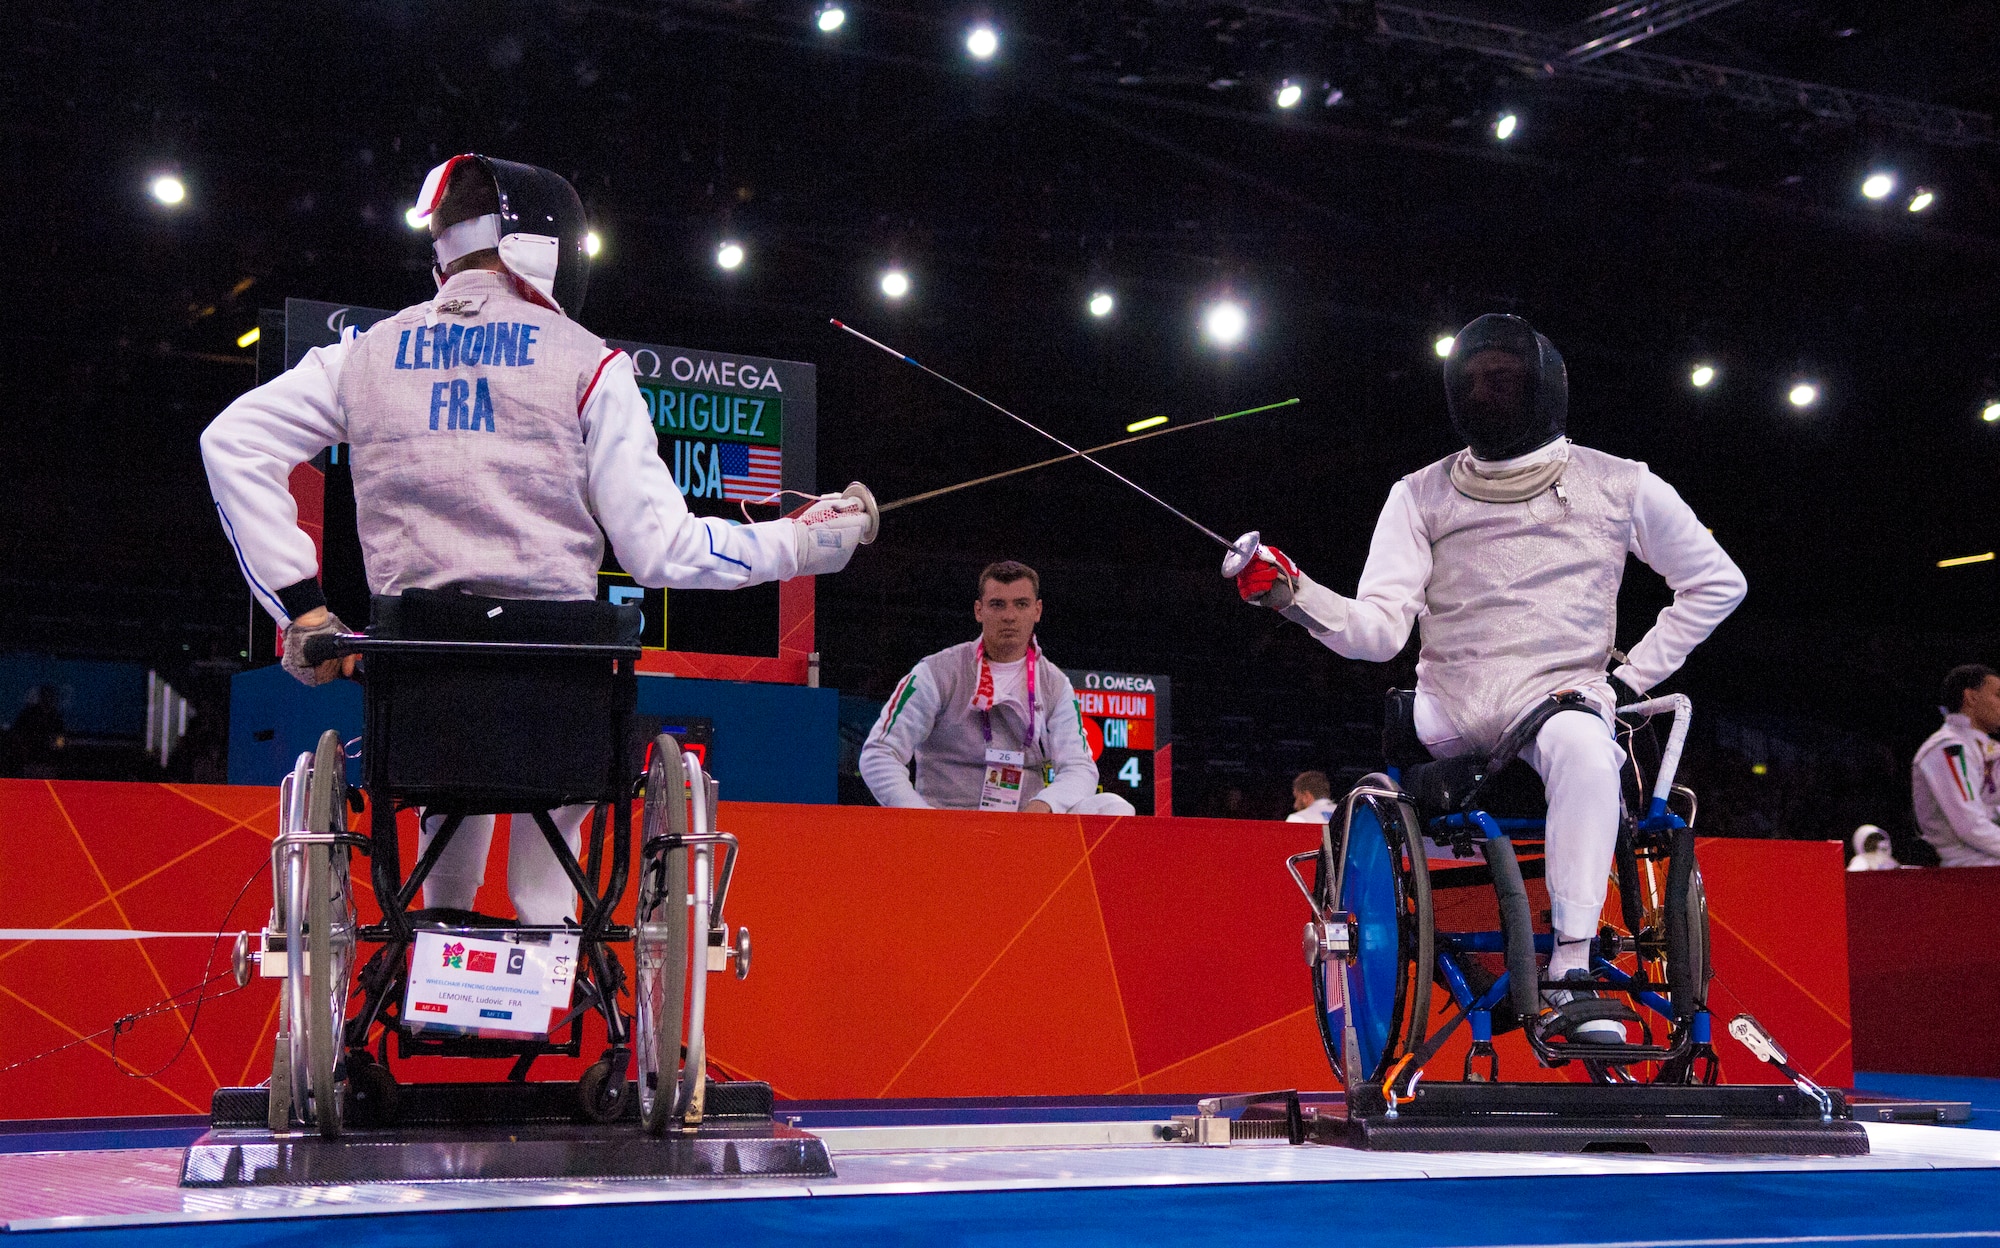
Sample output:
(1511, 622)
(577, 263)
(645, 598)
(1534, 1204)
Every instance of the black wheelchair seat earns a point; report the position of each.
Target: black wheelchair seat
(487, 733)
(1499, 784)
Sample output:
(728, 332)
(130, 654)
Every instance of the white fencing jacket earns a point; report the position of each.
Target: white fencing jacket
(1665, 534)
(546, 459)
(1955, 787)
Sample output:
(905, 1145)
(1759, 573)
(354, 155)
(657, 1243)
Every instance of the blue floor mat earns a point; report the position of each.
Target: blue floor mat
(1723, 1210)
(1983, 1093)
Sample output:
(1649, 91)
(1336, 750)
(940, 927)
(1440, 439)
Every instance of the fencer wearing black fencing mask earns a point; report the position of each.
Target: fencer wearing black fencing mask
(1506, 387)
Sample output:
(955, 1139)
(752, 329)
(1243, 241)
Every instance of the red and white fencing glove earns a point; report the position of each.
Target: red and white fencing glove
(1270, 579)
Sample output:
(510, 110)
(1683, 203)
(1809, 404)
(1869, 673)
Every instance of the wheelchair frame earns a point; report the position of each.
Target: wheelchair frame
(1378, 833)
(322, 1066)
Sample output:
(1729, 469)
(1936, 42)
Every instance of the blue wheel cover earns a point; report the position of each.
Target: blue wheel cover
(1368, 892)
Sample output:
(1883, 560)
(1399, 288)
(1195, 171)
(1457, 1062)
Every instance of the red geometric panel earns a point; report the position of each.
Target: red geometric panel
(898, 952)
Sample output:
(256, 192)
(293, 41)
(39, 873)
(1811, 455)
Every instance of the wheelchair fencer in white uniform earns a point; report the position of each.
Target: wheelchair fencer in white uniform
(495, 444)
(1508, 556)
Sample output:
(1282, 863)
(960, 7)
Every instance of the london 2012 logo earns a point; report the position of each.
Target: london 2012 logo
(454, 955)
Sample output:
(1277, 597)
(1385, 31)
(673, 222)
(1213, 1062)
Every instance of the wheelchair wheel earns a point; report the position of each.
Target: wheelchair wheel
(1382, 880)
(320, 924)
(661, 940)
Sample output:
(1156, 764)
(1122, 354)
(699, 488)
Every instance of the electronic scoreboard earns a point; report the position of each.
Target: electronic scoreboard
(1126, 719)
(733, 429)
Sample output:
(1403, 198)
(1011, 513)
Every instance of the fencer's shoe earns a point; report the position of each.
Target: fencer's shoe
(1558, 1022)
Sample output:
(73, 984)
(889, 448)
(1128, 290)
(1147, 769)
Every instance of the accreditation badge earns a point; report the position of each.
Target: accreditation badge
(1002, 787)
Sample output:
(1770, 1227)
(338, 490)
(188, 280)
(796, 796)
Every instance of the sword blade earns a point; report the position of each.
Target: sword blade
(1063, 459)
(1190, 521)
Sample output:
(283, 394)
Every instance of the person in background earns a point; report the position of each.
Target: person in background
(1955, 777)
(1871, 850)
(34, 742)
(985, 718)
(1312, 798)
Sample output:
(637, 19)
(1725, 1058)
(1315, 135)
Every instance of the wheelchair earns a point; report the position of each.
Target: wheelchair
(476, 706)
(1404, 836)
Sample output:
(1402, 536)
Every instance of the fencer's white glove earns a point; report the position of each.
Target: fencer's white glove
(829, 529)
(319, 622)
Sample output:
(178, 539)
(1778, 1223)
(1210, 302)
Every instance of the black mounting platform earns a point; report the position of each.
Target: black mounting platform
(1598, 1118)
(445, 1131)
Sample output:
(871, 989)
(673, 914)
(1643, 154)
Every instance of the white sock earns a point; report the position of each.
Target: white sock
(1570, 954)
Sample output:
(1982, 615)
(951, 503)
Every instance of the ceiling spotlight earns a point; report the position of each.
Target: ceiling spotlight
(1992, 412)
(982, 42)
(1101, 303)
(1923, 199)
(592, 244)
(1702, 375)
(1289, 94)
(1804, 394)
(1504, 128)
(895, 283)
(729, 256)
(1443, 346)
(168, 189)
(1225, 323)
(414, 217)
(1877, 185)
(831, 17)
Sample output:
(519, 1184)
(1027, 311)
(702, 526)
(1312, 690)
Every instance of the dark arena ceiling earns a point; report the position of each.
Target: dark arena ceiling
(1682, 186)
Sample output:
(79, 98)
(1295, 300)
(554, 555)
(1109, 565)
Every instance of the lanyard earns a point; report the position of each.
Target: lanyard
(984, 692)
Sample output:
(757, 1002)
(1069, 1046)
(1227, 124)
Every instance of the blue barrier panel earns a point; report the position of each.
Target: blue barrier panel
(772, 743)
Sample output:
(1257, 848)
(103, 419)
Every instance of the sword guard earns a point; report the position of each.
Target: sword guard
(1241, 552)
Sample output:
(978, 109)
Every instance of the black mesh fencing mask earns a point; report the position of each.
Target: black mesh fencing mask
(1506, 387)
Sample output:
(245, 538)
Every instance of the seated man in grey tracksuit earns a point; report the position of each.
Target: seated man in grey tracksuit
(985, 718)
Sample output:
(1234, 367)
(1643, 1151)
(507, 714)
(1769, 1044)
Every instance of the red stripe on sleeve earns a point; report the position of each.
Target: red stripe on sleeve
(592, 387)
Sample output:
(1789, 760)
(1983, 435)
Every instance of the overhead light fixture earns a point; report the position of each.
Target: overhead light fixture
(831, 17)
(1804, 394)
(1877, 185)
(895, 283)
(249, 337)
(1443, 346)
(414, 217)
(1991, 413)
(982, 42)
(1702, 375)
(1225, 323)
(1150, 422)
(1962, 560)
(592, 244)
(1101, 303)
(1923, 199)
(1504, 128)
(1289, 94)
(168, 189)
(729, 256)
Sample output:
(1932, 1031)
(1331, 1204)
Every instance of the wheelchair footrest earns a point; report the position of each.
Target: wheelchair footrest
(1585, 1118)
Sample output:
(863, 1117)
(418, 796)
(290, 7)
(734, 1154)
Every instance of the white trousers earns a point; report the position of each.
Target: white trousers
(536, 883)
(1578, 760)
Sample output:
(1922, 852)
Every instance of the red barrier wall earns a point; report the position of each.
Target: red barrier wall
(898, 953)
(1925, 970)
